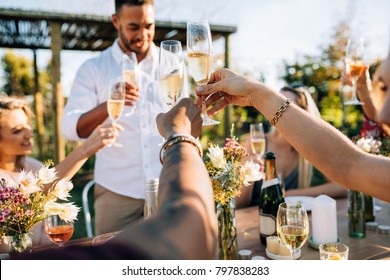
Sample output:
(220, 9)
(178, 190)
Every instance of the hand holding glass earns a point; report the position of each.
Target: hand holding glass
(130, 74)
(59, 231)
(292, 225)
(257, 138)
(116, 102)
(354, 66)
(199, 44)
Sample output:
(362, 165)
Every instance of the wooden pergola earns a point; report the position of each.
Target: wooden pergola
(35, 30)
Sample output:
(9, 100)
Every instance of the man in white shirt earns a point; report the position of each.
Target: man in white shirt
(120, 173)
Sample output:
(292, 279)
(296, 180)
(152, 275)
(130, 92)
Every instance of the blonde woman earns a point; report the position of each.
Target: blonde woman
(16, 147)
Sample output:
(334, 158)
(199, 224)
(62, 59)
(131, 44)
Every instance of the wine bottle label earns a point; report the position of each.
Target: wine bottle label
(269, 183)
(267, 224)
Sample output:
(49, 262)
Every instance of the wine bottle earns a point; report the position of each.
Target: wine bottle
(369, 208)
(356, 208)
(151, 189)
(270, 198)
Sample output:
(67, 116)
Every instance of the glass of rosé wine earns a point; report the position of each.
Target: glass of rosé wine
(58, 230)
(354, 64)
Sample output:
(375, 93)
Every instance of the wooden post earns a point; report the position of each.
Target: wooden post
(58, 101)
(227, 118)
(38, 108)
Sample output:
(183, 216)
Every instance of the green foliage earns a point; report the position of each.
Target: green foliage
(18, 75)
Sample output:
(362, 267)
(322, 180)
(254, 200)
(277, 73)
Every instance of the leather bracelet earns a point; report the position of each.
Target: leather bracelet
(280, 111)
(177, 138)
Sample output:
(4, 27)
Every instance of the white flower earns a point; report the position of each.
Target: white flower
(47, 175)
(216, 156)
(66, 211)
(28, 183)
(369, 145)
(251, 172)
(62, 189)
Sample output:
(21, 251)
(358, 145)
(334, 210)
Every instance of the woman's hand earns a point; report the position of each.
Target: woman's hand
(103, 135)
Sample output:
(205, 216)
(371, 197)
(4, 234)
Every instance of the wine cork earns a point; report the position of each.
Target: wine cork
(273, 245)
(284, 251)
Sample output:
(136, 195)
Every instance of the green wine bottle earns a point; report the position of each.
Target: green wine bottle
(270, 197)
(369, 208)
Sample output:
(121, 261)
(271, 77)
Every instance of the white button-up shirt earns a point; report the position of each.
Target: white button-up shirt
(121, 170)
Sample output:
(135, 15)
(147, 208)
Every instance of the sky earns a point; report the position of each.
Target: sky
(269, 32)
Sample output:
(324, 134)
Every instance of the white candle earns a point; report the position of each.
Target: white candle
(324, 220)
(273, 244)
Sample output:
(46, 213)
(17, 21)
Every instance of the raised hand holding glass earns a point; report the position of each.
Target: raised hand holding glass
(130, 74)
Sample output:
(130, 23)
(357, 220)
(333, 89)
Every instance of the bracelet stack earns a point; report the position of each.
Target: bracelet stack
(177, 138)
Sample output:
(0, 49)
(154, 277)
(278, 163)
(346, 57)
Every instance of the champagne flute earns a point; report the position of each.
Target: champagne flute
(292, 225)
(354, 66)
(130, 74)
(257, 138)
(58, 230)
(171, 72)
(199, 45)
(116, 102)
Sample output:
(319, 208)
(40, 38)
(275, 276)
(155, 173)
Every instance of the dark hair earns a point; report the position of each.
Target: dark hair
(120, 3)
(299, 91)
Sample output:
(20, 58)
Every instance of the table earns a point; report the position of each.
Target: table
(374, 246)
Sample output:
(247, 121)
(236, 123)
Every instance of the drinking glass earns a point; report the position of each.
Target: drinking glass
(292, 225)
(199, 45)
(354, 66)
(58, 230)
(333, 251)
(171, 71)
(257, 138)
(116, 102)
(130, 74)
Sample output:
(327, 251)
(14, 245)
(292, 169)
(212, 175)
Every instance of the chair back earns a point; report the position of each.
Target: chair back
(87, 212)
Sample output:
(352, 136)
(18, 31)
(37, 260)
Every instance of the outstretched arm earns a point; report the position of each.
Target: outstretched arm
(317, 141)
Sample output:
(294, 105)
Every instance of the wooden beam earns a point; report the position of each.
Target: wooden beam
(227, 112)
(38, 108)
(58, 100)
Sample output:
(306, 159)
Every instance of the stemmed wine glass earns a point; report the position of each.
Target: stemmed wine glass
(130, 74)
(199, 45)
(354, 66)
(257, 138)
(116, 102)
(171, 71)
(292, 225)
(58, 230)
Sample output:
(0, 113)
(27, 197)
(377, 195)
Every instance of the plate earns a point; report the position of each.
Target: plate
(297, 255)
(306, 200)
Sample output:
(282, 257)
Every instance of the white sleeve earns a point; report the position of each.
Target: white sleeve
(83, 98)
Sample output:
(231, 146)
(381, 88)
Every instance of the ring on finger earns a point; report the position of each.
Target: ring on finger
(109, 134)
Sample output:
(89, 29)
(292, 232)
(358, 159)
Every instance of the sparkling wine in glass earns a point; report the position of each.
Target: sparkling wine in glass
(58, 231)
(130, 74)
(354, 66)
(199, 46)
(257, 138)
(171, 71)
(292, 225)
(116, 102)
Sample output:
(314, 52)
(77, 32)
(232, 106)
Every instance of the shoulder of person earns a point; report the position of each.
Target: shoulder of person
(33, 164)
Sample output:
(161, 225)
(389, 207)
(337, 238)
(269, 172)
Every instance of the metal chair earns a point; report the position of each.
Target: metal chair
(87, 212)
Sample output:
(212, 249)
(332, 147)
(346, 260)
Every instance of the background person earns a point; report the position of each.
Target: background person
(120, 173)
(16, 145)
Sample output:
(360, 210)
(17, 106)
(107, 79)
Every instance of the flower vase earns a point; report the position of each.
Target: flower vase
(18, 244)
(227, 233)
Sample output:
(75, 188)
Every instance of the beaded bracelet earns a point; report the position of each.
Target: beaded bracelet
(177, 138)
(280, 111)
